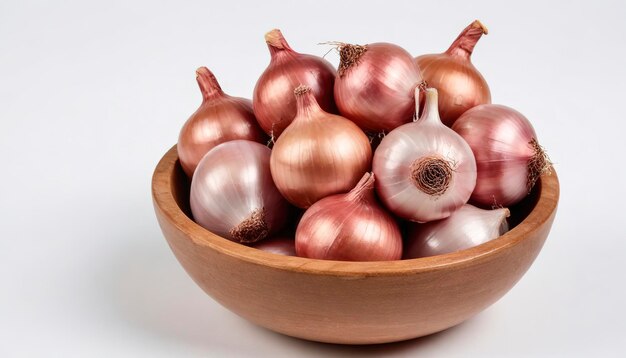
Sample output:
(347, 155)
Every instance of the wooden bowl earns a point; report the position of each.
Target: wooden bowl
(350, 302)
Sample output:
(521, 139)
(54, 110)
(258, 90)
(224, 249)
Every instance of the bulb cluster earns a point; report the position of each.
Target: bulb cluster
(448, 164)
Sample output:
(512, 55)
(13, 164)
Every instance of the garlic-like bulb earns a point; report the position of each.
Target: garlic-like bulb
(467, 227)
(424, 170)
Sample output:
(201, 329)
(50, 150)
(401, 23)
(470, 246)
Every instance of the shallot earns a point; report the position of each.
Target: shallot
(351, 227)
(233, 195)
(219, 119)
(467, 227)
(425, 170)
(508, 155)
(319, 154)
(274, 104)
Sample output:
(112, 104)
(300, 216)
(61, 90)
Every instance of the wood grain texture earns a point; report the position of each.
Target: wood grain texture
(351, 302)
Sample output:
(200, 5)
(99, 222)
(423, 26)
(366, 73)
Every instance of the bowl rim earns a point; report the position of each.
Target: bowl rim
(164, 201)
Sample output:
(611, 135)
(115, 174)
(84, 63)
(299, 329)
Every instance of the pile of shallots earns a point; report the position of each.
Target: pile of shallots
(387, 157)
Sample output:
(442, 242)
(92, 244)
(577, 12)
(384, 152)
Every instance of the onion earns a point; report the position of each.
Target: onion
(452, 73)
(350, 227)
(277, 245)
(219, 119)
(274, 104)
(508, 156)
(425, 170)
(375, 85)
(467, 227)
(232, 193)
(319, 154)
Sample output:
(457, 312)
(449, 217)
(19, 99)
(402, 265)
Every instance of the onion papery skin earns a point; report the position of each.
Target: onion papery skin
(461, 86)
(233, 195)
(405, 157)
(375, 90)
(508, 156)
(220, 118)
(277, 245)
(319, 154)
(273, 100)
(467, 227)
(349, 227)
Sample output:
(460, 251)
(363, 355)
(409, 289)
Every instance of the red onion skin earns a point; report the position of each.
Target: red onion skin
(233, 181)
(273, 100)
(500, 138)
(278, 245)
(349, 227)
(377, 92)
(461, 86)
(220, 118)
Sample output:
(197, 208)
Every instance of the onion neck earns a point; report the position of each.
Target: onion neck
(504, 223)
(208, 84)
(306, 103)
(464, 44)
(277, 44)
(431, 106)
(364, 189)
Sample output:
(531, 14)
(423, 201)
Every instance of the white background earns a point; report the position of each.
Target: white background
(92, 94)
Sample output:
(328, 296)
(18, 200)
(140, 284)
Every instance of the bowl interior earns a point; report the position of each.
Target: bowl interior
(534, 210)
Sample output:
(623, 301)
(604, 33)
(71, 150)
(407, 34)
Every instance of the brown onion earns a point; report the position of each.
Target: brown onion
(219, 119)
(319, 154)
(233, 195)
(467, 227)
(350, 227)
(375, 84)
(452, 73)
(509, 158)
(273, 101)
